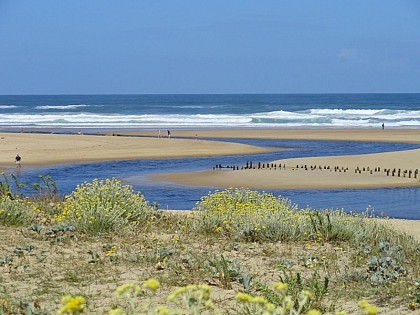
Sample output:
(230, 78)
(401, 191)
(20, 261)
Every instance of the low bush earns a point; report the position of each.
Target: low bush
(105, 205)
(243, 212)
(15, 211)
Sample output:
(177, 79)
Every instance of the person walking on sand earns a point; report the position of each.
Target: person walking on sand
(169, 134)
(383, 126)
(17, 159)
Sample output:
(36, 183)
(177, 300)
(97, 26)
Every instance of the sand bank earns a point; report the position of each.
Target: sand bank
(387, 135)
(335, 172)
(38, 149)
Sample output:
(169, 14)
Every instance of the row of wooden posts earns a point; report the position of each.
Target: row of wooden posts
(359, 170)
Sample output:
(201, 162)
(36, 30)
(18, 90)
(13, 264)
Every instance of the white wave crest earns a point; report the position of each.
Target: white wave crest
(70, 106)
(310, 118)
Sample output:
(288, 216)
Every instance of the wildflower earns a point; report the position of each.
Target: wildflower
(288, 303)
(259, 300)
(313, 312)
(127, 289)
(72, 305)
(151, 284)
(177, 292)
(243, 297)
(371, 310)
(280, 286)
(209, 304)
(306, 293)
(368, 308)
(270, 307)
(117, 311)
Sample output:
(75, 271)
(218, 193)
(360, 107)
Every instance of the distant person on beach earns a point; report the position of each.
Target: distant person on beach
(383, 126)
(169, 134)
(159, 134)
(17, 159)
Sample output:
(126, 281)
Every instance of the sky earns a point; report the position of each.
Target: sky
(196, 46)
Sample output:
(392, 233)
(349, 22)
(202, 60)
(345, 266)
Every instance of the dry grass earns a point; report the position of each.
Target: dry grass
(39, 267)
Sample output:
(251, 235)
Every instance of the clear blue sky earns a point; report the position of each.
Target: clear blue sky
(195, 46)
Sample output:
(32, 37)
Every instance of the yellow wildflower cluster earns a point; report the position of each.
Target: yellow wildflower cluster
(196, 299)
(233, 210)
(103, 205)
(200, 292)
(127, 290)
(151, 284)
(15, 211)
(368, 309)
(72, 305)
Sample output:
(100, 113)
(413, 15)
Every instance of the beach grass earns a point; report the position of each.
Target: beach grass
(238, 251)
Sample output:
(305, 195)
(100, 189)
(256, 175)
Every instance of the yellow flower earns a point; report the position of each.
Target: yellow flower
(288, 303)
(280, 286)
(259, 300)
(363, 304)
(306, 293)
(117, 311)
(151, 284)
(177, 292)
(243, 297)
(371, 310)
(72, 305)
(313, 312)
(127, 289)
(209, 304)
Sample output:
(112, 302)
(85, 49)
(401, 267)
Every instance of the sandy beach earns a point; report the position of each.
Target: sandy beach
(330, 172)
(393, 169)
(387, 135)
(356, 171)
(40, 149)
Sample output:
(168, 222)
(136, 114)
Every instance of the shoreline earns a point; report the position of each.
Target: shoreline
(372, 135)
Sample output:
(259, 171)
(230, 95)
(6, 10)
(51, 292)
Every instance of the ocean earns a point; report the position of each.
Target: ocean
(89, 112)
(93, 113)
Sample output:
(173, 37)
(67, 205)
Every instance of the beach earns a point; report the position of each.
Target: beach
(316, 172)
(390, 169)
(386, 135)
(45, 149)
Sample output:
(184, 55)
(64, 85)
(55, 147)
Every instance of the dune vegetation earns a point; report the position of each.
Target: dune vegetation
(104, 249)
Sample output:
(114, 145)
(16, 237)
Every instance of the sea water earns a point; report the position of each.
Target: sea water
(93, 113)
(210, 111)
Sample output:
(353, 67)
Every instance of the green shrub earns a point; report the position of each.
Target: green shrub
(15, 211)
(250, 214)
(257, 216)
(104, 205)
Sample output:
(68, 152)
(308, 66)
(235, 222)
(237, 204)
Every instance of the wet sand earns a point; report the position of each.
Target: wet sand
(379, 135)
